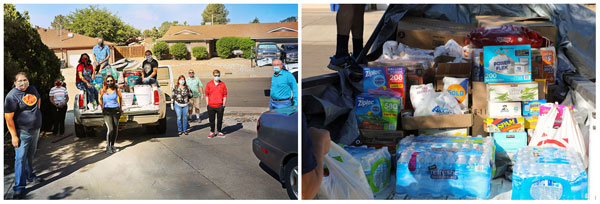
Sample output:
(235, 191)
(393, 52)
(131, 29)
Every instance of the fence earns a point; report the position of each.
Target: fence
(128, 52)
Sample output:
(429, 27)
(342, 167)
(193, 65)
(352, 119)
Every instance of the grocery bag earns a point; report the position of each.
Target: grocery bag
(346, 178)
(568, 135)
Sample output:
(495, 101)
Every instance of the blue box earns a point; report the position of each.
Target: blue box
(374, 78)
(532, 108)
(510, 141)
(507, 63)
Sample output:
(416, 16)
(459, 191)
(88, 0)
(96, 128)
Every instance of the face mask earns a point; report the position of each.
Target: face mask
(276, 69)
(101, 44)
(181, 82)
(149, 58)
(57, 83)
(112, 85)
(22, 85)
(216, 78)
(84, 60)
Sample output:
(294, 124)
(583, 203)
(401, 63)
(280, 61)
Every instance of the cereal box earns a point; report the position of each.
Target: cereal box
(504, 124)
(532, 108)
(507, 63)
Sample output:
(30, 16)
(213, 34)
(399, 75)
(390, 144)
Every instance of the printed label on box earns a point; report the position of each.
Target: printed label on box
(507, 63)
(504, 124)
(445, 132)
(532, 108)
(510, 141)
(504, 109)
(512, 92)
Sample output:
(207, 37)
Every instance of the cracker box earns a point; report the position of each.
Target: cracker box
(509, 141)
(445, 132)
(507, 63)
(516, 124)
(532, 108)
(512, 92)
(504, 109)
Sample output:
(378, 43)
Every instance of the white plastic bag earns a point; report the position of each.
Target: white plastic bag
(438, 103)
(452, 49)
(418, 93)
(568, 135)
(346, 178)
(458, 87)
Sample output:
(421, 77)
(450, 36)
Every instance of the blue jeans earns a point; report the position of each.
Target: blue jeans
(148, 81)
(24, 158)
(182, 122)
(279, 104)
(91, 92)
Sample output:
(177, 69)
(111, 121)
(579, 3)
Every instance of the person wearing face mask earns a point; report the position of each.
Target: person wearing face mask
(284, 89)
(101, 53)
(23, 121)
(59, 98)
(216, 98)
(181, 98)
(110, 102)
(150, 69)
(196, 86)
(84, 79)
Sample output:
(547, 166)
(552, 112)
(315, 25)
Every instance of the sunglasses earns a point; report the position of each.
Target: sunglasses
(190, 72)
(109, 80)
(217, 75)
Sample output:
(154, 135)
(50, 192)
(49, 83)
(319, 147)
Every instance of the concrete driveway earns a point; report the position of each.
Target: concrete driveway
(151, 166)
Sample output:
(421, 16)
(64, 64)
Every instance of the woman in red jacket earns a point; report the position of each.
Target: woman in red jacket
(216, 97)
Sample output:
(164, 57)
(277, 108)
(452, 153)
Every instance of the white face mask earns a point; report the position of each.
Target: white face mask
(149, 58)
(217, 78)
(181, 82)
(22, 85)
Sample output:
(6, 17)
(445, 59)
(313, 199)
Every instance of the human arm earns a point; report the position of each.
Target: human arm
(10, 123)
(101, 93)
(80, 73)
(294, 87)
(120, 100)
(224, 94)
(107, 55)
(154, 72)
(311, 181)
(52, 101)
(207, 93)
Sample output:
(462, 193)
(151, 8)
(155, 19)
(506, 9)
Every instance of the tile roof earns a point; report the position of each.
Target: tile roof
(52, 39)
(252, 30)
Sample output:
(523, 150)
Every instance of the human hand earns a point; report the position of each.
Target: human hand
(321, 140)
(15, 141)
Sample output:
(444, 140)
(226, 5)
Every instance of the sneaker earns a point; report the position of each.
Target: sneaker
(221, 135)
(114, 149)
(211, 135)
(18, 195)
(186, 132)
(337, 63)
(198, 117)
(90, 106)
(35, 180)
(179, 133)
(109, 150)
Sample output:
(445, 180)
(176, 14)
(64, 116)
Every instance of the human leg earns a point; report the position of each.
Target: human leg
(178, 112)
(357, 29)
(184, 112)
(220, 112)
(63, 113)
(211, 117)
(21, 173)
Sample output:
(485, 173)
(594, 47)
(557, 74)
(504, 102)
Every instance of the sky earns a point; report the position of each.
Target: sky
(146, 16)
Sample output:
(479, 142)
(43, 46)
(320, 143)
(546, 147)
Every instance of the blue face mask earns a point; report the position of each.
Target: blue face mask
(181, 82)
(276, 69)
(217, 78)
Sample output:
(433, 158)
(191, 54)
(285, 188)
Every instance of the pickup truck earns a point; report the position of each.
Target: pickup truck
(152, 115)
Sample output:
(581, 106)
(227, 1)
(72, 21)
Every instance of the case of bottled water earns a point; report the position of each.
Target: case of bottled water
(376, 164)
(542, 173)
(445, 166)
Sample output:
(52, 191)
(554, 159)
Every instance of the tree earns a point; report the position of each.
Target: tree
(161, 50)
(24, 51)
(164, 27)
(255, 20)
(95, 22)
(147, 33)
(215, 13)
(179, 51)
(289, 19)
(58, 21)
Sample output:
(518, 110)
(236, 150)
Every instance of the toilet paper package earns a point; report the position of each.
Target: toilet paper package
(507, 63)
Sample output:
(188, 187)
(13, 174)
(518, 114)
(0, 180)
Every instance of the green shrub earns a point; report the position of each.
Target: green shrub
(161, 50)
(179, 51)
(200, 52)
(227, 44)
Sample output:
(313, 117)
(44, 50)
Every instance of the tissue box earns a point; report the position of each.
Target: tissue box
(510, 141)
(504, 109)
(504, 124)
(507, 63)
(512, 92)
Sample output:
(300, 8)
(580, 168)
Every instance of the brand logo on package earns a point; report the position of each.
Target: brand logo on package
(371, 73)
(363, 102)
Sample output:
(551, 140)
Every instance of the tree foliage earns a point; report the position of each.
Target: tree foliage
(226, 45)
(156, 33)
(161, 50)
(95, 22)
(58, 21)
(200, 52)
(179, 51)
(24, 51)
(216, 13)
(289, 19)
(255, 20)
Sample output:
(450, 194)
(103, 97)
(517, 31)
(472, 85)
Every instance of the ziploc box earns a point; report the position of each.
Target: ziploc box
(377, 111)
(510, 141)
(507, 63)
(532, 108)
(512, 92)
(516, 124)
(504, 109)
(374, 78)
(445, 132)
(395, 76)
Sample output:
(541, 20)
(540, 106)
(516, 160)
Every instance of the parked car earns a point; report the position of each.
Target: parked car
(276, 146)
(289, 53)
(267, 50)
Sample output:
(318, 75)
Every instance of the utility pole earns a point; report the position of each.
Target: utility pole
(212, 19)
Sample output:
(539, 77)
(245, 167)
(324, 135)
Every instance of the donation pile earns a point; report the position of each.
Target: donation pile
(375, 163)
(445, 166)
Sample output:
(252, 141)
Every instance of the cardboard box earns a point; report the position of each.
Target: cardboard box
(516, 124)
(381, 136)
(544, 64)
(541, 25)
(507, 63)
(428, 33)
(445, 132)
(513, 92)
(510, 141)
(531, 122)
(504, 109)
(458, 70)
(437, 121)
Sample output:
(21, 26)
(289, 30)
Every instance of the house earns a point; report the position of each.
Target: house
(69, 46)
(207, 35)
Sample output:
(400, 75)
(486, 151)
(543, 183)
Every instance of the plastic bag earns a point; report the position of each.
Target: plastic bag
(507, 35)
(418, 93)
(457, 87)
(438, 103)
(390, 50)
(568, 135)
(346, 178)
(452, 49)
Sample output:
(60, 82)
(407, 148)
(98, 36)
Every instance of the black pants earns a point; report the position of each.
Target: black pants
(111, 120)
(211, 117)
(58, 125)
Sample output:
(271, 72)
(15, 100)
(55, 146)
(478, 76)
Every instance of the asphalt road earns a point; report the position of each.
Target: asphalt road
(161, 166)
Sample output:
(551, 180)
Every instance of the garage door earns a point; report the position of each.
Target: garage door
(74, 60)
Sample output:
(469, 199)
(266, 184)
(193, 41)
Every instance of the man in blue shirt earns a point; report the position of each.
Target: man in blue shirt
(284, 89)
(101, 53)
